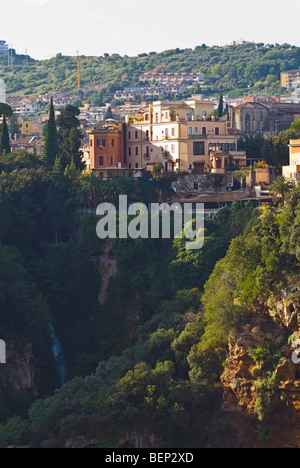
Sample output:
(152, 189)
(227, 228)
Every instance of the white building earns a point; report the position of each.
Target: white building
(22, 105)
(292, 171)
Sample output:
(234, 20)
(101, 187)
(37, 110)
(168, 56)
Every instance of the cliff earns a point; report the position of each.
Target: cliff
(19, 369)
(261, 379)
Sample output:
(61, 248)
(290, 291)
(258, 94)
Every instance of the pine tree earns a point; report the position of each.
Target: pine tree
(220, 107)
(51, 140)
(4, 137)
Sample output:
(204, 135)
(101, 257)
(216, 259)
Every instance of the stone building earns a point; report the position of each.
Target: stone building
(267, 118)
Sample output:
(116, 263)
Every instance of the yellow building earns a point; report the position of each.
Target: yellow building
(26, 127)
(182, 136)
(288, 77)
(292, 171)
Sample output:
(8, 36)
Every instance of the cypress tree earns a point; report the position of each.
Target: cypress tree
(220, 107)
(4, 137)
(51, 141)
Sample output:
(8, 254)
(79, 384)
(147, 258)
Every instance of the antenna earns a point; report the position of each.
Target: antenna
(78, 70)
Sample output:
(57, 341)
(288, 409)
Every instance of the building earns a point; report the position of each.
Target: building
(149, 92)
(182, 136)
(22, 105)
(172, 78)
(288, 77)
(107, 147)
(26, 126)
(31, 144)
(292, 171)
(259, 98)
(267, 118)
(3, 47)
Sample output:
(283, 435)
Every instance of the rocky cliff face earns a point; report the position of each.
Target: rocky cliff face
(19, 369)
(261, 379)
(107, 264)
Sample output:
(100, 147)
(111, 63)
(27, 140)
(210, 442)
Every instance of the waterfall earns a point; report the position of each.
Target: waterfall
(58, 356)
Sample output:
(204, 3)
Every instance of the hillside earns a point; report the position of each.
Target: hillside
(162, 347)
(229, 69)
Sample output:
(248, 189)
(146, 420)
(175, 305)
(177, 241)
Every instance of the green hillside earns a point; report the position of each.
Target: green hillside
(228, 69)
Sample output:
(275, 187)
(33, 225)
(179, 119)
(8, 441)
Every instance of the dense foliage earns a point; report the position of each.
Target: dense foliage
(148, 360)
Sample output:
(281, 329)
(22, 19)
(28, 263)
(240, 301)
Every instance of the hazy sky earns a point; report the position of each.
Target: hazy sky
(129, 27)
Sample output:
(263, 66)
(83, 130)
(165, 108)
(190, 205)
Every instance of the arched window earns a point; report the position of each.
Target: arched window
(247, 123)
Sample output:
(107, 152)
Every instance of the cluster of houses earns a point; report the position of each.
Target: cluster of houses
(185, 137)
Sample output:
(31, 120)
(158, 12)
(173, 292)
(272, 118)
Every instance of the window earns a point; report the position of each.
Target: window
(112, 142)
(129, 151)
(173, 131)
(135, 134)
(198, 148)
(190, 131)
(136, 165)
(196, 130)
(111, 160)
(101, 161)
(173, 148)
(217, 131)
(196, 186)
(101, 143)
(129, 135)
(221, 147)
(203, 130)
(91, 143)
(136, 150)
(129, 165)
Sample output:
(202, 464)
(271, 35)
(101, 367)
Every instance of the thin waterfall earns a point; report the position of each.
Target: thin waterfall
(58, 356)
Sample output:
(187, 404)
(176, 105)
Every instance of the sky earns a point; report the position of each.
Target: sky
(44, 28)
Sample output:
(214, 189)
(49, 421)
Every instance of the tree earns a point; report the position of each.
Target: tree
(241, 174)
(281, 187)
(69, 137)
(6, 110)
(108, 114)
(51, 141)
(220, 107)
(4, 137)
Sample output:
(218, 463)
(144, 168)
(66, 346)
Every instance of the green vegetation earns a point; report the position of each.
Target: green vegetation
(273, 150)
(4, 137)
(233, 70)
(51, 141)
(147, 360)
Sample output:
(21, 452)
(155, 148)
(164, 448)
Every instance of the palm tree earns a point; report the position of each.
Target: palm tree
(90, 189)
(241, 174)
(110, 191)
(281, 187)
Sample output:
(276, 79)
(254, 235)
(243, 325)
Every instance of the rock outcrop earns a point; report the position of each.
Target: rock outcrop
(19, 369)
(268, 400)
